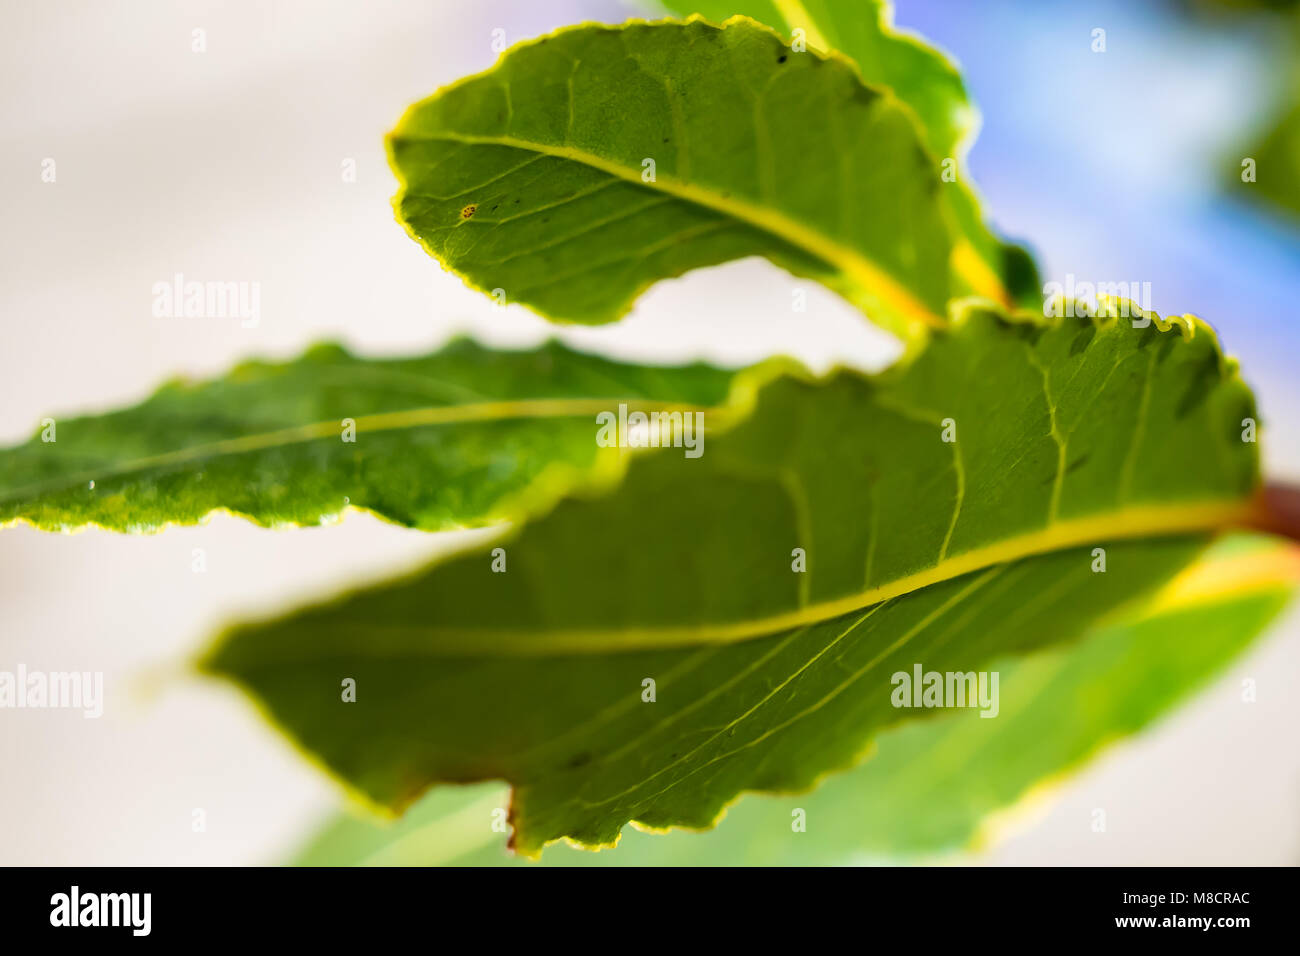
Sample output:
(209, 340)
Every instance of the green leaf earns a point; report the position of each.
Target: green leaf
(1069, 437)
(930, 84)
(1275, 162)
(932, 786)
(530, 180)
(453, 439)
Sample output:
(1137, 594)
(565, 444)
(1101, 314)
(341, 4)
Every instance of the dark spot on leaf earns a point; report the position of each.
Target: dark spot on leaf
(1078, 462)
(1019, 269)
(516, 202)
(1029, 332)
(580, 760)
(1083, 339)
(781, 59)
(860, 94)
(1204, 380)
(469, 210)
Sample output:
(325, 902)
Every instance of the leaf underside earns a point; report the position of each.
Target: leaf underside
(929, 787)
(530, 180)
(1069, 437)
(451, 439)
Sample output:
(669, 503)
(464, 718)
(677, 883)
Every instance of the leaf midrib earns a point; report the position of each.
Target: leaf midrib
(865, 274)
(1133, 522)
(379, 422)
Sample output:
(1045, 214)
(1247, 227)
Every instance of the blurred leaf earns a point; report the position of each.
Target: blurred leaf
(1277, 163)
(930, 787)
(1268, 172)
(448, 440)
(1069, 437)
(595, 161)
(928, 82)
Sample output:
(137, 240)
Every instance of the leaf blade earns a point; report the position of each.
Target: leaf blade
(931, 787)
(452, 439)
(546, 111)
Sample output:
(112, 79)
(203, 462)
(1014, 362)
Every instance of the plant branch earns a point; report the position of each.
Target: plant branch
(1278, 510)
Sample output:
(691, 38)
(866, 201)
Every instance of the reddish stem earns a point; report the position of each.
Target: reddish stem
(1278, 510)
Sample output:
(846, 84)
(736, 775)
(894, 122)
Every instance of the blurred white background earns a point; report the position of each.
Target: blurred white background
(226, 165)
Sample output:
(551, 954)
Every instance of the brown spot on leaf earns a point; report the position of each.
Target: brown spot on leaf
(469, 210)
